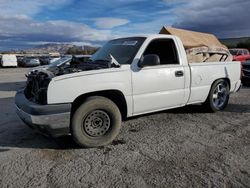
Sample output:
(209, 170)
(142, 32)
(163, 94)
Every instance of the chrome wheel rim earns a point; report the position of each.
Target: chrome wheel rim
(220, 95)
(97, 123)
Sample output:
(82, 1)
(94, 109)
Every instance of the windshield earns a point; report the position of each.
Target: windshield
(60, 61)
(123, 50)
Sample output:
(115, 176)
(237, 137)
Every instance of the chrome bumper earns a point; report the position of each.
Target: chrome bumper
(52, 120)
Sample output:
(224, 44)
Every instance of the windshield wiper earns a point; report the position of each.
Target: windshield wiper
(114, 61)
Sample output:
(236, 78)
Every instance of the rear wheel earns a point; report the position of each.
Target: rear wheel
(96, 122)
(218, 96)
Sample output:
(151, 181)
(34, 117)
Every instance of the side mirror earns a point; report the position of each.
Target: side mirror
(149, 60)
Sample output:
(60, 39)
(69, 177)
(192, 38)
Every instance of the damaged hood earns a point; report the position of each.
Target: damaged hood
(92, 72)
(39, 80)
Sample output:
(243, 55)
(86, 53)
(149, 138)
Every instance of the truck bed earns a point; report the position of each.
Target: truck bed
(204, 74)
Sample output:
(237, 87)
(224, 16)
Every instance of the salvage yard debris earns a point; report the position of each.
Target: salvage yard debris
(200, 47)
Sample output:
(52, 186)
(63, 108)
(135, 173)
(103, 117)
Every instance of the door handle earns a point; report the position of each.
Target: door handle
(179, 73)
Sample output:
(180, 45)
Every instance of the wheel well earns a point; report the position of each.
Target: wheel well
(115, 95)
(226, 79)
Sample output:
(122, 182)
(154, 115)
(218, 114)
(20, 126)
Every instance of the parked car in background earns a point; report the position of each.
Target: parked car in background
(8, 60)
(64, 62)
(44, 60)
(246, 72)
(30, 62)
(19, 60)
(240, 54)
(81, 58)
(54, 59)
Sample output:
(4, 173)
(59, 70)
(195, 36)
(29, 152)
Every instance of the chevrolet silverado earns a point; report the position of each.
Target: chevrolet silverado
(126, 77)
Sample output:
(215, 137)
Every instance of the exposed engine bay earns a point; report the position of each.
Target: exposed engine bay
(36, 86)
(38, 80)
(79, 67)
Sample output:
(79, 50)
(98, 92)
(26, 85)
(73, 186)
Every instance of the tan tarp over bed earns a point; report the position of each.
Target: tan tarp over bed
(200, 47)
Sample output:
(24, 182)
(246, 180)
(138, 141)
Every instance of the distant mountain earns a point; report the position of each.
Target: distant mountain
(232, 42)
(54, 47)
(51, 47)
(63, 48)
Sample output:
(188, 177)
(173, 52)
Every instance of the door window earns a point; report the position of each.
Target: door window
(165, 49)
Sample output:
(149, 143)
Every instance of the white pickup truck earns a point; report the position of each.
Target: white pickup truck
(126, 77)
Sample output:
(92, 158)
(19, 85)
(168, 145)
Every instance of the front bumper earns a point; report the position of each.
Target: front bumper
(52, 120)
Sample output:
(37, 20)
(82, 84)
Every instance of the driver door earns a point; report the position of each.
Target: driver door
(161, 86)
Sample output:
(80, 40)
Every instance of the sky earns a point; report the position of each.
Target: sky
(27, 23)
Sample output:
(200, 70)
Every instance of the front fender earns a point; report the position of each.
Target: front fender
(67, 89)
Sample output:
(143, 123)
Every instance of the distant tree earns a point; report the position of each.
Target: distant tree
(78, 51)
(74, 51)
(231, 46)
(9, 52)
(92, 51)
(245, 44)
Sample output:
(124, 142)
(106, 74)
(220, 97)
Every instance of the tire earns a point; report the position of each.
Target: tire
(218, 97)
(96, 122)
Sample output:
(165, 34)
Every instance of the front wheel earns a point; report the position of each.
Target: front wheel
(218, 97)
(96, 122)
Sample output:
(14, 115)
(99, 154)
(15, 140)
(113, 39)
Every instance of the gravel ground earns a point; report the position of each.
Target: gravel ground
(185, 147)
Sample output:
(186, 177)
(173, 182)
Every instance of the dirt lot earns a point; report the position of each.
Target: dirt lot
(178, 148)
